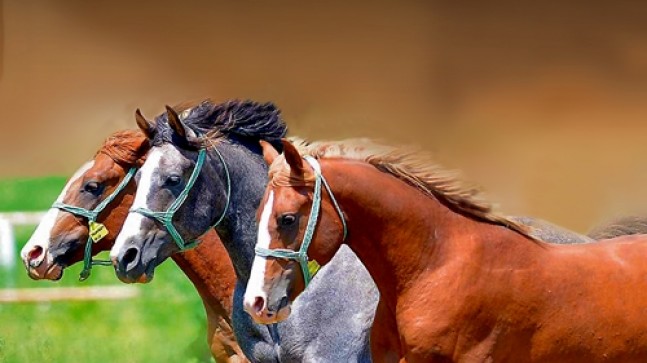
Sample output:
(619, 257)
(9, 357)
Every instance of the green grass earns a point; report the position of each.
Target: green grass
(166, 323)
(29, 194)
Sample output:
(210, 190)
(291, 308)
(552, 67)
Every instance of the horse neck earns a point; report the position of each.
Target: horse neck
(209, 269)
(248, 175)
(399, 233)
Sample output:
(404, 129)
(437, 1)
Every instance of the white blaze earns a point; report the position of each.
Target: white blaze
(42, 235)
(257, 275)
(133, 222)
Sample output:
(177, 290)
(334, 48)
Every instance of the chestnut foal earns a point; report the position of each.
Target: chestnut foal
(462, 283)
(61, 239)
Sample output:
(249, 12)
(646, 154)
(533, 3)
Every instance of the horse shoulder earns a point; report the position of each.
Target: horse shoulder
(427, 316)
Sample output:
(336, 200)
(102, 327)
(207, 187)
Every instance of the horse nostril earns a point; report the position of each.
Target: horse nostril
(130, 258)
(35, 253)
(259, 304)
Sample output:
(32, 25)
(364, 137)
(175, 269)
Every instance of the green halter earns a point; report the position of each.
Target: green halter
(96, 231)
(166, 217)
(301, 256)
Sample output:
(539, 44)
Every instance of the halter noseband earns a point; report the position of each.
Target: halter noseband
(96, 230)
(301, 256)
(166, 217)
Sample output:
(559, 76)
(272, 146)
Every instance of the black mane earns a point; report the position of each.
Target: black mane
(237, 120)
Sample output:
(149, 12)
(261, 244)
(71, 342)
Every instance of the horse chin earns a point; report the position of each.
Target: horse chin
(283, 313)
(267, 319)
(148, 274)
(145, 278)
(279, 311)
(55, 272)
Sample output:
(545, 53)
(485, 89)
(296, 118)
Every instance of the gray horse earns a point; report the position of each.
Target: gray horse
(331, 319)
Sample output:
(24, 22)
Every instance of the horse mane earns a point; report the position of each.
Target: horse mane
(234, 119)
(127, 148)
(624, 226)
(409, 165)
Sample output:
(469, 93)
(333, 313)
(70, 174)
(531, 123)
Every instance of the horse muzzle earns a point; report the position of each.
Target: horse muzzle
(264, 313)
(130, 268)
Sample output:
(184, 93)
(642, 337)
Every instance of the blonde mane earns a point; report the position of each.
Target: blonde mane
(415, 168)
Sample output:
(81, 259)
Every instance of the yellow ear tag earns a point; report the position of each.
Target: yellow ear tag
(313, 267)
(97, 231)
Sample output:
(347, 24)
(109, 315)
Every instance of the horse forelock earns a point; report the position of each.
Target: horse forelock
(409, 165)
(127, 148)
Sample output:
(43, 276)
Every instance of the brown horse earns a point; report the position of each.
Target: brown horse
(60, 239)
(461, 282)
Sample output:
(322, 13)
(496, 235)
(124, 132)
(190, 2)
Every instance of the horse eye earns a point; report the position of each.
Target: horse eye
(173, 180)
(92, 187)
(287, 219)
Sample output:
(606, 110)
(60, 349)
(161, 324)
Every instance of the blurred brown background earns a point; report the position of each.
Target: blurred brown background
(541, 104)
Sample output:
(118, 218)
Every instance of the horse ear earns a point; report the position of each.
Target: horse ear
(175, 123)
(146, 126)
(292, 156)
(269, 152)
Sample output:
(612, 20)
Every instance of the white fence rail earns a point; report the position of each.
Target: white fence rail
(48, 294)
(7, 236)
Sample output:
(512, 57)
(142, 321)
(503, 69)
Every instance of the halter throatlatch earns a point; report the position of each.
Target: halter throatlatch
(96, 231)
(301, 256)
(166, 217)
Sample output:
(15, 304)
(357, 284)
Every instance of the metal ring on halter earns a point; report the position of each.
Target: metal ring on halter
(166, 217)
(301, 256)
(91, 216)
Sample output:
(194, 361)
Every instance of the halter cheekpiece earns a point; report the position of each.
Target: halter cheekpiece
(301, 256)
(166, 217)
(96, 231)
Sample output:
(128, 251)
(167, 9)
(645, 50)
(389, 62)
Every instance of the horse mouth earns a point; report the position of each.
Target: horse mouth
(54, 272)
(141, 279)
(271, 317)
(145, 277)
